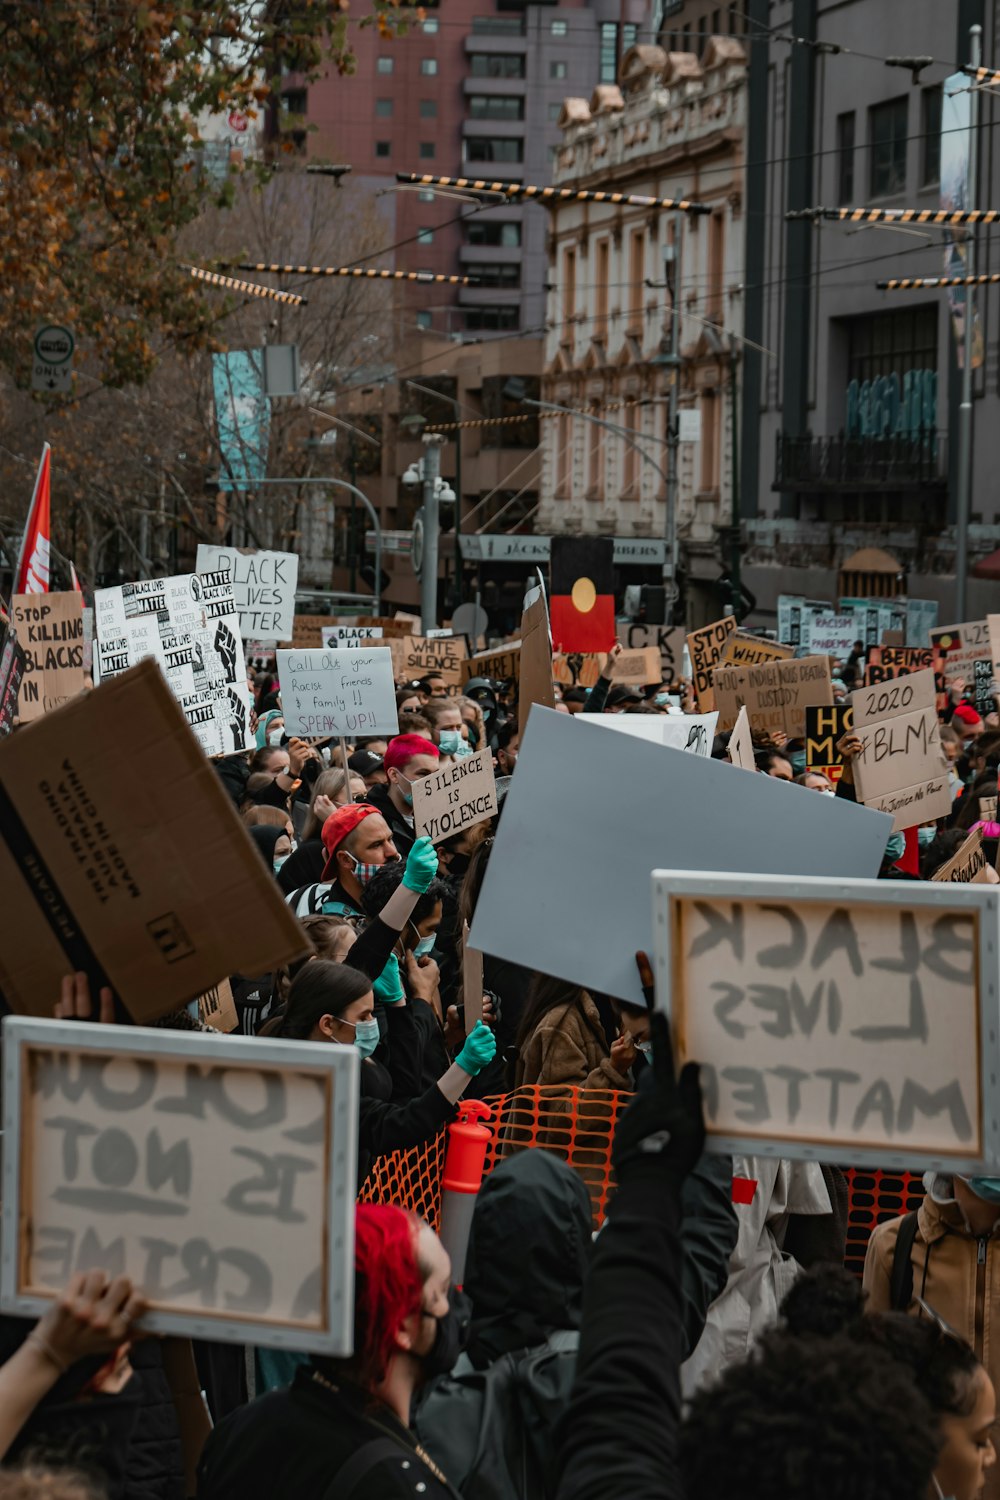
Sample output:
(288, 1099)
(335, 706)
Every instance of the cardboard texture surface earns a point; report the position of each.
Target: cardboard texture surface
(50, 628)
(637, 668)
(745, 650)
(578, 906)
(536, 660)
(501, 666)
(418, 656)
(668, 640)
(706, 647)
(968, 865)
(960, 645)
(457, 796)
(100, 869)
(776, 694)
(901, 768)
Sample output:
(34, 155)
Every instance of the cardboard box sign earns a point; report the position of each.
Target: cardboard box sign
(50, 628)
(549, 900)
(218, 1172)
(343, 692)
(776, 694)
(706, 648)
(422, 656)
(581, 670)
(836, 1020)
(901, 768)
(968, 865)
(454, 798)
(217, 1008)
(669, 642)
(500, 666)
(744, 650)
(122, 856)
(264, 585)
(636, 668)
(535, 683)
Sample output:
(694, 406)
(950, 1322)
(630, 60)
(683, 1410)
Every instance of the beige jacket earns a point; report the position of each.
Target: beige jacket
(568, 1046)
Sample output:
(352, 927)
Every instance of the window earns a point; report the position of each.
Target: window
(492, 319)
(564, 438)
(508, 235)
(602, 262)
(609, 47)
(496, 106)
(428, 66)
(429, 25)
(715, 23)
(496, 274)
(425, 236)
(569, 285)
(423, 320)
(557, 70)
(428, 150)
(425, 195)
(930, 130)
(629, 419)
(483, 148)
(383, 108)
(595, 467)
(716, 267)
(382, 148)
(709, 441)
(498, 26)
(887, 124)
(892, 343)
(384, 64)
(496, 64)
(636, 275)
(845, 158)
(555, 110)
(428, 109)
(295, 101)
(559, 28)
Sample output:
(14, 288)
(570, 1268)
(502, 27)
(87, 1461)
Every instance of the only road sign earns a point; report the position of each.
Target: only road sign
(54, 344)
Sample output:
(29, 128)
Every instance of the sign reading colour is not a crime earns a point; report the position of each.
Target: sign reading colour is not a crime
(836, 1020)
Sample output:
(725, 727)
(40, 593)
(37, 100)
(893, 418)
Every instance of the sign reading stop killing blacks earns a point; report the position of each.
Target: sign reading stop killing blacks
(345, 693)
(218, 1173)
(455, 797)
(836, 1020)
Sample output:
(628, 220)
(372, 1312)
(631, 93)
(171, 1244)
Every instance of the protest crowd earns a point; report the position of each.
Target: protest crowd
(583, 1184)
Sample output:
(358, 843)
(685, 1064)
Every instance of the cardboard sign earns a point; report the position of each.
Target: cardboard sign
(500, 666)
(744, 650)
(421, 656)
(100, 873)
(961, 645)
(541, 904)
(887, 662)
(536, 657)
(741, 743)
(706, 647)
(472, 981)
(831, 635)
(636, 668)
(456, 797)
(11, 673)
(392, 629)
(968, 865)
(825, 728)
(307, 631)
(50, 629)
(668, 641)
(344, 693)
(981, 686)
(264, 585)
(349, 635)
(694, 733)
(776, 694)
(901, 768)
(217, 1008)
(579, 670)
(218, 1172)
(836, 1020)
(188, 625)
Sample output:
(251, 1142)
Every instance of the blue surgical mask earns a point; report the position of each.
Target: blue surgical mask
(464, 749)
(275, 737)
(366, 1036)
(449, 741)
(407, 796)
(278, 861)
(662, 700)
(987, 1188)
(895, 847)
(798, 760)
(926, 836)
(424, 946)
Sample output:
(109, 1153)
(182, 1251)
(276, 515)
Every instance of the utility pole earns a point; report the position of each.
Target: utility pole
(735, 592)
(672, 273)
(433, 443)
(964, 497)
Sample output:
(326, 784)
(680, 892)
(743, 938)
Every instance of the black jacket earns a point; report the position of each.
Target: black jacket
(303, 867)
(293, 1443)
(401, 828)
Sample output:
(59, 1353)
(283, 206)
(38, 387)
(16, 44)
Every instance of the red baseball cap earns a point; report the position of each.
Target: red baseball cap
(338, 825)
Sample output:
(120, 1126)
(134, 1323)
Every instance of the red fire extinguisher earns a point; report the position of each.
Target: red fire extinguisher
(463, 1177)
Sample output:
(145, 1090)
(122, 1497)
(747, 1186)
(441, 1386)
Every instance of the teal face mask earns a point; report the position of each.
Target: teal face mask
(278, 861)
(366, 1036)
(407, 796)
(987, 1188)
(450, 742)
(895, 847)
(926, 836)
(798, 760)
(424, 946)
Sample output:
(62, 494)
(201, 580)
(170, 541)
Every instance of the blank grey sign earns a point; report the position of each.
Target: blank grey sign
(590, 815)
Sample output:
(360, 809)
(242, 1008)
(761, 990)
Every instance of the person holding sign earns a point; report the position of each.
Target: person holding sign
(407, 758)
(357, 843)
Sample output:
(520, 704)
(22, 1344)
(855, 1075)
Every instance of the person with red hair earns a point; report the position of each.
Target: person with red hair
(342, 1427)
(408, 757)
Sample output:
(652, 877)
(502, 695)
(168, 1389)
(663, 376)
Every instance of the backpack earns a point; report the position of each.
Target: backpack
(901, 1276)
(349, 1481)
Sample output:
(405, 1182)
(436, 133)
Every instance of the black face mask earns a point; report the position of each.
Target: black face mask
(458, 865)
(450, 1338)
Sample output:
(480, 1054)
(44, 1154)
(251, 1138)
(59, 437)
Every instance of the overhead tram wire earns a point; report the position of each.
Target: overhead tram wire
(908, 283)
(369, 273)
(518, 190)
(252, 288)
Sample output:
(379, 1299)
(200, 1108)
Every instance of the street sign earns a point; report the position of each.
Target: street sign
(52, 366)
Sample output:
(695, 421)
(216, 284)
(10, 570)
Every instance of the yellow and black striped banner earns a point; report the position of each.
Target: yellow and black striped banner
(233, 283)
(367, 273)
(541, 414)
(907, 283)
(944, 216)
(988, 77)
(553, 194)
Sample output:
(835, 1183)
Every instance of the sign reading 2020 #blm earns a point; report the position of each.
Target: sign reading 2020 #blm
(219, 1173)
(837, 1020)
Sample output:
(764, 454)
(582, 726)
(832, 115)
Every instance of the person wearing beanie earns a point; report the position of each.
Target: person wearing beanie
(357, 840)
(407, 758)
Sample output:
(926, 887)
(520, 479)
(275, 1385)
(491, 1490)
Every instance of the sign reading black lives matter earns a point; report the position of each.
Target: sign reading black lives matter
(218, 1173)
(189, 625)
(836, 1020)
(455, 797)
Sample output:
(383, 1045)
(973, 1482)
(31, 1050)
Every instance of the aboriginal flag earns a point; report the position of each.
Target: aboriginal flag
(582, 601)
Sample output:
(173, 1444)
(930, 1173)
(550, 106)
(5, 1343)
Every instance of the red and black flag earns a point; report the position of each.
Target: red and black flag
(582, 599)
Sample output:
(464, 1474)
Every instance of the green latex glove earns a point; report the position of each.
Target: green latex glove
(388, 987)
(478, 1049)
(421, 866)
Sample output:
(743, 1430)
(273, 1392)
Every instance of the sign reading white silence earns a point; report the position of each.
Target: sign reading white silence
(345, 692)
(455, 797)
(836, 1020)
(217, 1172)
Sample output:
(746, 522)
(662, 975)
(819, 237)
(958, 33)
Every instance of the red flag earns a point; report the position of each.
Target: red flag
(32, 576)
(73, 579)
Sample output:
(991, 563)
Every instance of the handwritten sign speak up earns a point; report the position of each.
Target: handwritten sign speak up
(335, 692)
(836, 1020)
(218, 1172)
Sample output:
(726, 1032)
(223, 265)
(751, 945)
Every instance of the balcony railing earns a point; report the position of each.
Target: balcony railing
(866, 463)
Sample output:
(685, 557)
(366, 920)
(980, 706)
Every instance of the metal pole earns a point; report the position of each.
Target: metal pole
(673, 277)
(342, 484)
(456, 407)
(735, 591)
(433, 443)
(964, 497)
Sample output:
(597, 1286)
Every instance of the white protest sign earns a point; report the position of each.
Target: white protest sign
(264, 585)
(830, 635)
(455, 797)
(342, 693)
(219, 1173)
(691, 732)
(741, 743)
(349, 635)
(901, 768)
(836, 1020)
(189, 626)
